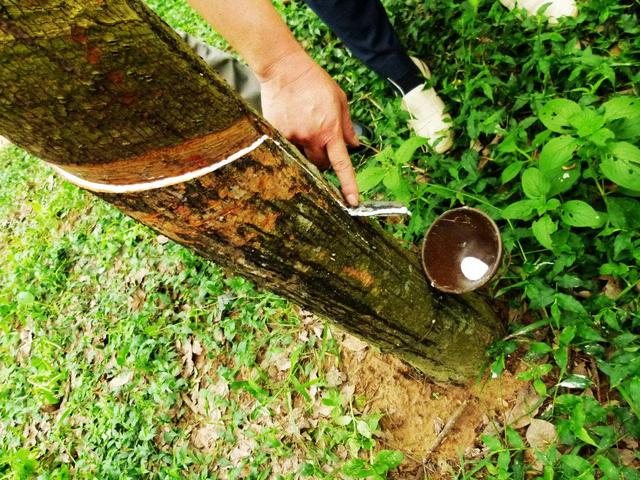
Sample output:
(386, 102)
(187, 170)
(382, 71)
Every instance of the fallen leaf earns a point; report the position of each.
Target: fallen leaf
(346, 394)
(438, 425)
(281, 360)
(526, 407)
(26, 340)
(205, 437)
(243, 449)
(221, 388)
(541, 434)
(186, 350)
(120, 380)
(627, 457)
(335, 377)
(612, 288)
(136, 301)
(353, 344)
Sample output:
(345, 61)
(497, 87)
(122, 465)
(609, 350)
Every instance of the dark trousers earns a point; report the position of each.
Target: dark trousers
(364, 27)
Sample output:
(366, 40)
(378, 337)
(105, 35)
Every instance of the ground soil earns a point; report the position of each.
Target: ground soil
(415, 409)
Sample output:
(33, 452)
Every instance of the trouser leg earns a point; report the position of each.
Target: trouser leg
(236, 74)
(364, 27)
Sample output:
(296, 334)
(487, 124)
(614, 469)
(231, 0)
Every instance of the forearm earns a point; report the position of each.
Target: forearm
(256, 30)
(298, 97)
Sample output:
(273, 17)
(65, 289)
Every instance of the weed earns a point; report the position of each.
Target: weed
(122, 355)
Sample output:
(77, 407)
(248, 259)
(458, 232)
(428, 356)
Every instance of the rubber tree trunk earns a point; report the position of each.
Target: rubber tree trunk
(110, 95)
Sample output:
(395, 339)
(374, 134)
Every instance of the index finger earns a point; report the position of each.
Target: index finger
(341, 163)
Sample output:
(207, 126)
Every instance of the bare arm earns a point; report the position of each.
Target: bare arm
(298, 97)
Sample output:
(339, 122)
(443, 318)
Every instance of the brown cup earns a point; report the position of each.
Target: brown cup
(461, 250)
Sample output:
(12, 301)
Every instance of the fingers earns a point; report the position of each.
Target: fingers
(347, 127)
(318, 156)
(341, 163)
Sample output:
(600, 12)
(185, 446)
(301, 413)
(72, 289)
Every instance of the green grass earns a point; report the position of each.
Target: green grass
(117, 349)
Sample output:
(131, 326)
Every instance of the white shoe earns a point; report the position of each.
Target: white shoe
(427, 113)
(555, 10)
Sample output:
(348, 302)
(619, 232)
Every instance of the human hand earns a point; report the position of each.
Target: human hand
(302, 101)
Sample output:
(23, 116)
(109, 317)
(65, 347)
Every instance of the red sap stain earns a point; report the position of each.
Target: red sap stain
(116, 76)
(128, 100)
(78, 34)
(361, 275)
(94, 54)
(182, 211)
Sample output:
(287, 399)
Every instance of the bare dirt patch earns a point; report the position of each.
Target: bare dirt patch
(417, 410)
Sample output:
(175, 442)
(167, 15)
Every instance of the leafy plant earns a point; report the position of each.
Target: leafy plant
(593, 146)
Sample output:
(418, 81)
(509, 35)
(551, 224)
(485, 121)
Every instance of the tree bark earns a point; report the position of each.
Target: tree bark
(110, 95)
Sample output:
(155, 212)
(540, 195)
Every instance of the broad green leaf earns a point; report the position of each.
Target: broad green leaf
(561, 356)
(363, 429)
(357, 468)
(556, 113)
(405, 151)
(630, 391)
(396, 185)
(511, 171)
(569, 303)
(556, 153)
(392, 179)
(622, 107)
(583, 435)
(486, 89)
(579, 382)
(520, 210)
(625, 168)
(586, 122)
(510, 143)
(540, 387)
(530, 328)
(369, 177)
(534, 183)
(343, 420)
(537, 371)
(513, 438)
(626, 128)
(608, 468)
(580, 214)
(386, 460)
(542, 230)
(576, 463)
(540, 348)
(601, 137)
(492, 442)
(624, 212)
(624, 173)
(25, 298)
(568, 334)
(625, 151)
(552, 204)
(562, 180)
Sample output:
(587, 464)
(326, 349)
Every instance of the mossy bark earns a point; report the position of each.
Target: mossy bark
(109, 93)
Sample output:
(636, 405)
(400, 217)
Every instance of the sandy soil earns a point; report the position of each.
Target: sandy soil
(416, 410)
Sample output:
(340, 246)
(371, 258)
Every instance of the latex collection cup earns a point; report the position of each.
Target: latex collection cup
(461, 250)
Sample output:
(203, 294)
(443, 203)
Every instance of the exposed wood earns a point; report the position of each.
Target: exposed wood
(109, 93)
